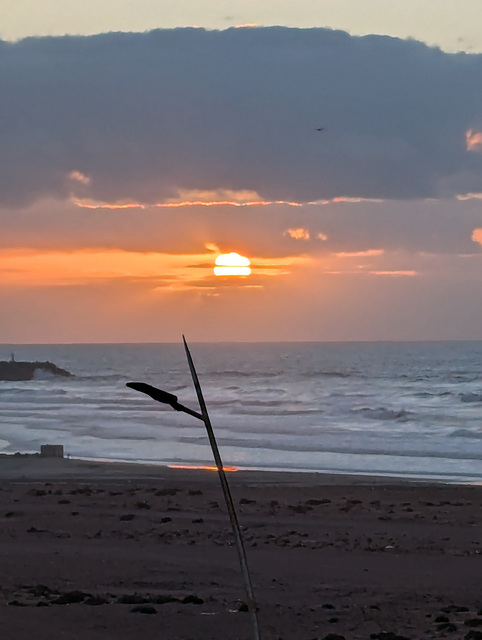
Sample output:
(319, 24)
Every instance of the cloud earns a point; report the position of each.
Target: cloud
(369, 253)
(79, 177)
(298, 234)
(147, 117)
(396, 274)
(434, 226)
(477, 236)
(470, 196)
(474, 140)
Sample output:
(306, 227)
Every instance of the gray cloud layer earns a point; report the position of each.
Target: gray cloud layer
(146, 115)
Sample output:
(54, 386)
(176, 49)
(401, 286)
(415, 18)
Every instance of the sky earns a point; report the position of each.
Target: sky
(338, 149)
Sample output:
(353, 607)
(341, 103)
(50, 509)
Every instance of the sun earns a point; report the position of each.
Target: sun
(232, 264)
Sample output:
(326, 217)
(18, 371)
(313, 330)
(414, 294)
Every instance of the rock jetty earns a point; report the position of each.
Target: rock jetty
(13, 371)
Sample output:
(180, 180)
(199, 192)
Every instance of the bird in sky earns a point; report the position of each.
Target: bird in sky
(320, 129)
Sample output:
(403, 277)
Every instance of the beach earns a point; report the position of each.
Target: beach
(107, 550)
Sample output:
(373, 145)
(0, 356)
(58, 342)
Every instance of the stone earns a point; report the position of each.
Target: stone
(192, 599)
(132, 599)
(71, 597)
(144, 609)
(473, 622)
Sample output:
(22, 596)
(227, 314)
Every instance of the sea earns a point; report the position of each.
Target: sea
(402, 410)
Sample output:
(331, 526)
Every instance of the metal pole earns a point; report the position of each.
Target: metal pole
(227, 496)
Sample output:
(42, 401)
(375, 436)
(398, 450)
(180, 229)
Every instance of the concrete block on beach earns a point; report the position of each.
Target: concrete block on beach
(52, 451)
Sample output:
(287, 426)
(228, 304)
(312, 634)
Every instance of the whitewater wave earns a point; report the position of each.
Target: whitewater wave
(28, 392)
(328, 374)
(101, 377)
(428, 394)
(244, 374)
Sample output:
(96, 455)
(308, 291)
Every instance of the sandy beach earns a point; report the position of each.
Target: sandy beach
(100, 550)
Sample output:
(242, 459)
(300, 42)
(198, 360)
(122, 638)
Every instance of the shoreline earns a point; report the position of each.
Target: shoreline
(34, 467)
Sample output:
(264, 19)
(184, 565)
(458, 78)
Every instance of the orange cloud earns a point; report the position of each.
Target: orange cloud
(477, 236)
(298, 234)
(238, 196)
(360, 254)
(79, 177)
(355, 200)
(88, 203)
(207, 198)
(470, 196)
(473, 140)
(92, 204)
(197, 198)
(278, 266)
(57, 268)
(394, 273)
(210, 246)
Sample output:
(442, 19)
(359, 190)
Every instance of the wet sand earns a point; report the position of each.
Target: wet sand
(100, 550)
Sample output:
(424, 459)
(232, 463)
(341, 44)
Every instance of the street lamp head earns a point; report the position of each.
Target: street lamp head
(155, 394)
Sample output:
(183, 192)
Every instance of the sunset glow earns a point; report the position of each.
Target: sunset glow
(59, 268)
(141, 199)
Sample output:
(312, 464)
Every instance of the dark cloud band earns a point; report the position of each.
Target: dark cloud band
(288, 114)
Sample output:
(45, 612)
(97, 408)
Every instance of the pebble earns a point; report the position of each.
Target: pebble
(144, 609)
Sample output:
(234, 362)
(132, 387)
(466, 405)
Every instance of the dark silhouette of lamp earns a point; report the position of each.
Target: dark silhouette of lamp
(164, 397)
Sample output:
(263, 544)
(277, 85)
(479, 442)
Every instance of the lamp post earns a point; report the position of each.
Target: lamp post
(168, 398)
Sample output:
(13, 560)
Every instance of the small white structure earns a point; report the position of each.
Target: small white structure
(52, 450)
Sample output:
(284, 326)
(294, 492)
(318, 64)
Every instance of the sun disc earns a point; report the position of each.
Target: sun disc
(232, 260)
(232, 271)
(232, 264)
